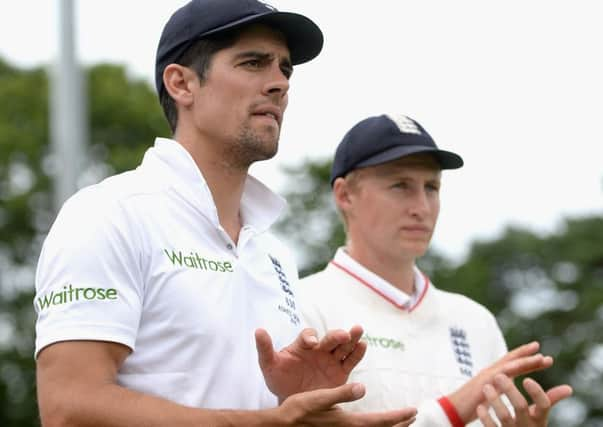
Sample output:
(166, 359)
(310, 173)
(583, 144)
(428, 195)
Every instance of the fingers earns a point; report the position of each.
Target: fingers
(408, 422)
(356, 332)
(493, 397)
(524, 414)
(484, 416)
(307, 339)
(263, 345)
(353, 358)
(558, 393)
(334, 339)
(520, 352)
(325, 398)
(504, 385)
(345, 349)
(318, 407)
(524, 350)
(526, 364)
(544, 401)
(398, 418)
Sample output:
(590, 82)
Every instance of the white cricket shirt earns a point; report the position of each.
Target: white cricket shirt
(420, 347)
(141, 259)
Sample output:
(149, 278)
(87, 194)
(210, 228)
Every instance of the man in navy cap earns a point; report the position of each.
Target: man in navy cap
(438, 351)
(160, 293)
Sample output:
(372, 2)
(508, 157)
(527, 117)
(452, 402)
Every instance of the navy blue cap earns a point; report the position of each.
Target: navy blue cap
(200, 18)
(384, 138)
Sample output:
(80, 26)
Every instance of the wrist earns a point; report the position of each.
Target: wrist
(451, 412)
(275, 417)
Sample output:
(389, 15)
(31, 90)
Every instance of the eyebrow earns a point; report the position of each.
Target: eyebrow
(397, 174)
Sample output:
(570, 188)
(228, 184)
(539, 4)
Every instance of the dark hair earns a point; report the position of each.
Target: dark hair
(197, 57)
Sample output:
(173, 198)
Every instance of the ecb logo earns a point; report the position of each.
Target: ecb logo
(405, 124)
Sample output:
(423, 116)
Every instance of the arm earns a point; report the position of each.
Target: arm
(525, 415)
(77, 387)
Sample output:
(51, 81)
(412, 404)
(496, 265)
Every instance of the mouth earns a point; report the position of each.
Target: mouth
(416, 230)
(271, 112)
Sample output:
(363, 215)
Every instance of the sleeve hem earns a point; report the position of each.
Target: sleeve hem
(126, 338)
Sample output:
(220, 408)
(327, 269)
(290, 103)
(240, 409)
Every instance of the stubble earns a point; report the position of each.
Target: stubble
(251, 146)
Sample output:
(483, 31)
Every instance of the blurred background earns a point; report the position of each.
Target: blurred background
(514, 87)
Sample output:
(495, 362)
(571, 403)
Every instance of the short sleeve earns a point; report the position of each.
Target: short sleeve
(88, 280)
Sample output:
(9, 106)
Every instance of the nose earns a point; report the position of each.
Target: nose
(277, 84)
(419, 207)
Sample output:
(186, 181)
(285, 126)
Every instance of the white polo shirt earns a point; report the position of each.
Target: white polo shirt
(141, 259)
(420, 347)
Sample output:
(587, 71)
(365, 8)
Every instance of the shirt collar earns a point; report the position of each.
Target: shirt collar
(260, 207)
(384, 288)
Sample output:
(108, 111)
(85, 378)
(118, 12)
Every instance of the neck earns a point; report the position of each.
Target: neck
(225, 181)
(399, 272)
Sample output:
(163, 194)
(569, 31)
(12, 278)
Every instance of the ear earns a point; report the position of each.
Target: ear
(342, 194)
(177, 80)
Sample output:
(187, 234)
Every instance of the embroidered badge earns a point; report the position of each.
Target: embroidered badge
(462, 352)
(289, 307)
(405, 124)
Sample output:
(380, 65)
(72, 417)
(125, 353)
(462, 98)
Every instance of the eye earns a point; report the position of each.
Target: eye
(252, 63)
(432, 188)
(400, 185)
(287, 71)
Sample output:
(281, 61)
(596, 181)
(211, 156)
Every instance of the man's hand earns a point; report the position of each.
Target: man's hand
(309, 364)
(534, 415)
(520, 361)
(318, 408)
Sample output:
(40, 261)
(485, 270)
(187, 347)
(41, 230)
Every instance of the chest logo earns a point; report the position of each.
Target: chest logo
(383, 342)
(289, 299)
(194, 261)
(461, 350)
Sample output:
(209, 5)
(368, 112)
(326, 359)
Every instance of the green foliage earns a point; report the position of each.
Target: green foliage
(125, 117)
(545, 288)
(317, 230)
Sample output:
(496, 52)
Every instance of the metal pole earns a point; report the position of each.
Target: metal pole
(67, 109)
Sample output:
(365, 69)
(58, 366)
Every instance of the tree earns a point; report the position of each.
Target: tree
(124, 119)
(545, 288)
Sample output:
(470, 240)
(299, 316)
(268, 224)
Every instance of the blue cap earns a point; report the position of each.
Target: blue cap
(384, 138)
(200, 18)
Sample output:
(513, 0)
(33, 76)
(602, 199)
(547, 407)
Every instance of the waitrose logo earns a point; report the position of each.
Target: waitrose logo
(383, 342)
(70, 294)
(193, 260)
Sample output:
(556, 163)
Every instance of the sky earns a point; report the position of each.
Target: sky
(515, 87)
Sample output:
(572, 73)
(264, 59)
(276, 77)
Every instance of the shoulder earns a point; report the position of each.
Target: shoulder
(99, 216)
(464, 308)
(322, 283)
(121, 188)
(108, 198)
(318, 277)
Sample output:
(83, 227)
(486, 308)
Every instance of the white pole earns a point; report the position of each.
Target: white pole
(68, 113)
